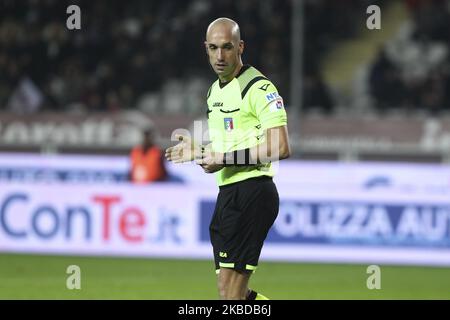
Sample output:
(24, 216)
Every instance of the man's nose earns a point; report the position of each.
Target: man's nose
(219, 54)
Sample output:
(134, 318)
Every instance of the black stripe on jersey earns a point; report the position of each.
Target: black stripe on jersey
(209, 92)
(230, 111)
(244, 68)
(252, 82)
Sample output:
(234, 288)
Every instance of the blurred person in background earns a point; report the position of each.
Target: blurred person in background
(147, 162)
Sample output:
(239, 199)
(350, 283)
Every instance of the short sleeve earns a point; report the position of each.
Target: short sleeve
(267, 105)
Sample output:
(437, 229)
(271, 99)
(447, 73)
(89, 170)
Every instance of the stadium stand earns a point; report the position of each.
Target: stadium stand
(148, 57)
(150, 54)
(412, 71)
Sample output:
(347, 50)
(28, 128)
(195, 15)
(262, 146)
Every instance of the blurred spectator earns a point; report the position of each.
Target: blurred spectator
(147, 161)
(316, 94)
(26, 98)
(385, 83)
(412, 70)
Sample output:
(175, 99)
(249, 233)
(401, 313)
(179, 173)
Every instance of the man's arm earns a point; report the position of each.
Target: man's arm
(275, 147)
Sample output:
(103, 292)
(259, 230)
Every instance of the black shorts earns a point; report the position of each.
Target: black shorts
(243, 215)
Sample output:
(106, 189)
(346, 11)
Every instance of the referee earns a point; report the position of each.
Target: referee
(248, 130)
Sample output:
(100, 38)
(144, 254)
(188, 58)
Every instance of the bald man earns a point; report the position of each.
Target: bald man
(248, 131)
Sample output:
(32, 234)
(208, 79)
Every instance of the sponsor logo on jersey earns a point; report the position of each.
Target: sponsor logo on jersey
(218, 104)
(228, 122)
(279, 104)
(272, 96)
(276, 105)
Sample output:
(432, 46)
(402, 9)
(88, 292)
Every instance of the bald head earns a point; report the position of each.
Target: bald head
(224, 48)
(224, 25)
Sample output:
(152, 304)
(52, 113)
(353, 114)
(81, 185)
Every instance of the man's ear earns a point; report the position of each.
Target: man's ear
(241, 47)
(206, 47)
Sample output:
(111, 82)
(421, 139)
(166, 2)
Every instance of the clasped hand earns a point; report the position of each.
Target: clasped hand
(186, 150)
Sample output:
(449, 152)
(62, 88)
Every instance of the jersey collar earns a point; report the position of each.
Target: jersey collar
(244, 68)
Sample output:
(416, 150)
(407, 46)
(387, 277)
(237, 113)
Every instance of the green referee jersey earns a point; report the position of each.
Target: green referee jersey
(238, 113)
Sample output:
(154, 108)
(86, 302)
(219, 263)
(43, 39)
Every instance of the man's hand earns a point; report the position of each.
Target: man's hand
(210, 161)
(185, 151)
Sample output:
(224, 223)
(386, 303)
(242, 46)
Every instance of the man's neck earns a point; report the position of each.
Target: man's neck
(233, 75)
(146, 147)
